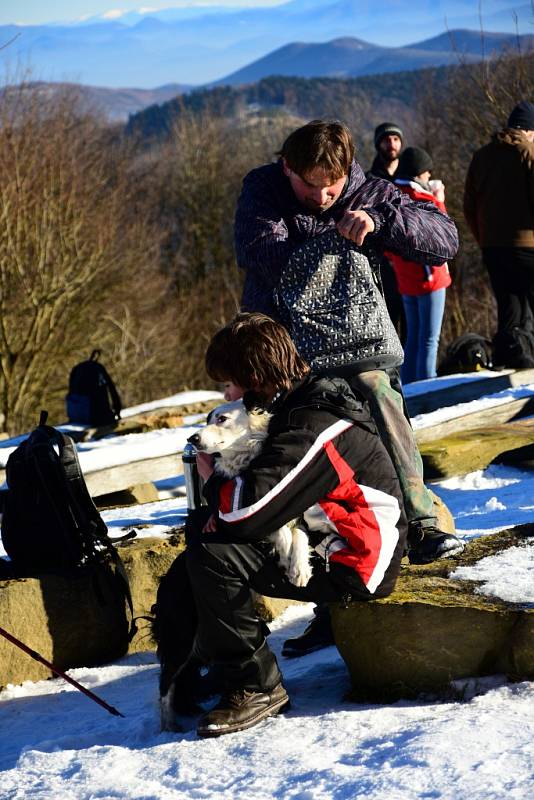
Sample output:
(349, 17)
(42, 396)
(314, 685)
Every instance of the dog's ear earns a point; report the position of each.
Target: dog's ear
(254, 401)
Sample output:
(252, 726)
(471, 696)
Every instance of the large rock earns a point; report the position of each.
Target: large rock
(80, 618)
(433, 630)
(444, 518)
(471, 450)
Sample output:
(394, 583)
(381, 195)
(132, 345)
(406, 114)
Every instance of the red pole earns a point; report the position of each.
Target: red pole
(58, 672)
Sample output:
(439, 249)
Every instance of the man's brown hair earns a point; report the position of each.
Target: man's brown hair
(320, 143)
(254, 351)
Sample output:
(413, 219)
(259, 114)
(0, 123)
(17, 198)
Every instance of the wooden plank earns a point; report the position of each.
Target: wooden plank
(495, 415)
(114, 479)
(465, 392)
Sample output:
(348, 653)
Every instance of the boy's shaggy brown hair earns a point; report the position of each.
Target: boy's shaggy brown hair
(254, 352)
(326, 144)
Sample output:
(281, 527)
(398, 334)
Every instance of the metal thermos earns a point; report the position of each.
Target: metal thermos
(192, 478)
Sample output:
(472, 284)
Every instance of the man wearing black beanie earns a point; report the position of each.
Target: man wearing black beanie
(499, 209)
(388, 140)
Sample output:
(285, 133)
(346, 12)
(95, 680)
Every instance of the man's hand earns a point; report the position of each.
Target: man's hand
(205, 465)
(355, 225)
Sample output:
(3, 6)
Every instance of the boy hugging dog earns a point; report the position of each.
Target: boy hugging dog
(321, 458)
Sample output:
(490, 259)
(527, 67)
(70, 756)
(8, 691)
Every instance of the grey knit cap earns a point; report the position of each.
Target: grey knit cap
(386, 128)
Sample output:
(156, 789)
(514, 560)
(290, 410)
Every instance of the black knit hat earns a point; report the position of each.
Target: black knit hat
(413, 161)
(386, 128)
(522, 117)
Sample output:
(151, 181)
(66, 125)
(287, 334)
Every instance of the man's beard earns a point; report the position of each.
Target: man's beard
(389, 156)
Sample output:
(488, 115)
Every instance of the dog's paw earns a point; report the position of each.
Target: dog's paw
(300, 571)
(282, 540)
(298, 575)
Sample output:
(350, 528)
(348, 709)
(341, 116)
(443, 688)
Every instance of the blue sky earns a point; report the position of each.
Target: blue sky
(32, 12)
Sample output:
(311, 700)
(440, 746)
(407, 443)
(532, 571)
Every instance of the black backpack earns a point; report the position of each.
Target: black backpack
(50, 522)
(92, 398)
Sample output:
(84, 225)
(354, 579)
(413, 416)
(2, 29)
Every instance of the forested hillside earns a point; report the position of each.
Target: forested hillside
(306, 97)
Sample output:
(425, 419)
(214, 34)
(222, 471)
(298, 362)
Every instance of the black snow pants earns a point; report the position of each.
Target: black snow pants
(214, 617)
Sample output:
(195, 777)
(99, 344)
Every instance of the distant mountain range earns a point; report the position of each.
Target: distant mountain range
(342, 58)
(200, 45)
(350, 58)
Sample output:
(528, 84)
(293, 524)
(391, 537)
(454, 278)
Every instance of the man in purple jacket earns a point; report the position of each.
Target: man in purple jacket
(316, 187)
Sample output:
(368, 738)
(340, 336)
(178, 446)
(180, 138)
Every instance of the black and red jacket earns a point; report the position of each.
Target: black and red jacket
(323, 460)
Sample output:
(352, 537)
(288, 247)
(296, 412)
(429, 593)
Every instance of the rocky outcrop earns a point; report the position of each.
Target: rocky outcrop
(131, 496)
(470, 450)
(433, 629)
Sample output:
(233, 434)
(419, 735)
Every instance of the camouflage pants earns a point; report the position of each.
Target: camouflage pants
(389, 413)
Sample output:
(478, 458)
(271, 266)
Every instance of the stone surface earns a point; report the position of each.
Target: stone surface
(61, 618)
(132, 495)
(445, 520)
(433, 630)
(470, 450)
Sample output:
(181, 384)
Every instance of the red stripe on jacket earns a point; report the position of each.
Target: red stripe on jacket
(349, 512)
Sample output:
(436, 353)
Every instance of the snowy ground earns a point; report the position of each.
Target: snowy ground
(55, 743)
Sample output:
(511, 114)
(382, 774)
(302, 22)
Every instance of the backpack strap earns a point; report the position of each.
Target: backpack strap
(87, 512)
(116, 404)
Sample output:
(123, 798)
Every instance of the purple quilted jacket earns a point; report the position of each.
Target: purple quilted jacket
(270, 223)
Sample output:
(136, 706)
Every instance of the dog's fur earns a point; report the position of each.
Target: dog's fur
(236, 434)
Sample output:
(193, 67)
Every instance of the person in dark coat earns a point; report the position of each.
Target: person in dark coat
(388, 140)
(499, 209)
(322, 452)
(317, 187)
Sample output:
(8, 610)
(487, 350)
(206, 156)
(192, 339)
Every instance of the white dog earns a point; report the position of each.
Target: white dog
(236, 435)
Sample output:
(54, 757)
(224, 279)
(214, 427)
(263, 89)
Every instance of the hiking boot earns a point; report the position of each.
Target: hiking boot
(239, 709)
(317, 634)
(427, 544)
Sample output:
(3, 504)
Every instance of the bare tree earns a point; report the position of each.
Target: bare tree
(67, 240)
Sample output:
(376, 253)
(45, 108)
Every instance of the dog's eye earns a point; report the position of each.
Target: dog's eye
(221, 419)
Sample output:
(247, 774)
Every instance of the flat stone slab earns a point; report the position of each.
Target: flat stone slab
(471, 450)
(435, 629)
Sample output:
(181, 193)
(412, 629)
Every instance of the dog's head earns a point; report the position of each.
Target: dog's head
(468, 353)
(231, 427)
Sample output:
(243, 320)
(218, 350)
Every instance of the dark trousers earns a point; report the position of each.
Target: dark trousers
(213, 581)
(511, 273)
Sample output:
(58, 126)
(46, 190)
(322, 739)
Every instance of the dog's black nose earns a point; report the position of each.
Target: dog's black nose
(194, 440)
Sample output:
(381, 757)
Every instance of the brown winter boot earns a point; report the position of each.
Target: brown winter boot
(239, 709)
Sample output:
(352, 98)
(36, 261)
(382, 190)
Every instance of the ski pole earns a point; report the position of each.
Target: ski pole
(58, 672)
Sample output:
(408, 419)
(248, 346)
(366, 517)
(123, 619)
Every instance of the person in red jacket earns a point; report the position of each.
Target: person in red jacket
(421, 286)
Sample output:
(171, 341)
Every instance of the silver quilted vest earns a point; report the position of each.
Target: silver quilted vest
(330, 300)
